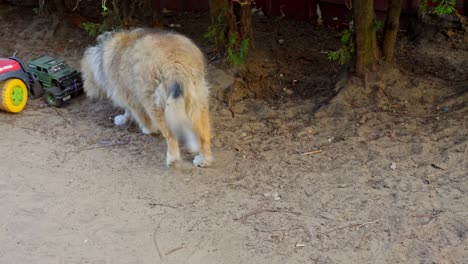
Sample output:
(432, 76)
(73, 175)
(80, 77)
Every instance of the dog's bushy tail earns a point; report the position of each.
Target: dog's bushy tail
(177, 119)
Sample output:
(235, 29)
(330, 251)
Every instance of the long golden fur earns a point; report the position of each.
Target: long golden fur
(159, 79)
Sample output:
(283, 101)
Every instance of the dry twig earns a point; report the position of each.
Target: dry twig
(231, 95)
(244, 217)
(366, 223)
(312, 152)
(356, 225)
(76, 5)
(155, 240)
(162, 205)
(174, 250)
(65, 158)
(64, 118)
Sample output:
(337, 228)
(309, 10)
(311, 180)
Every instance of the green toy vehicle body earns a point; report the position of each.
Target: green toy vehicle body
(59, 81)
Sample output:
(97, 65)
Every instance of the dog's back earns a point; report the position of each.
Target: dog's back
(148, 58)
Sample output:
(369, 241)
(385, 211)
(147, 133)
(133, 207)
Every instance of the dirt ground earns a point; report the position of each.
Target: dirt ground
(389, 184)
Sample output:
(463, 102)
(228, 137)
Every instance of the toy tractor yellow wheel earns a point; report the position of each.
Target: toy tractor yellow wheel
(13, 95)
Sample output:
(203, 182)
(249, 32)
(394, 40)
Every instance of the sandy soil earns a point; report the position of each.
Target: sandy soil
(390, 184)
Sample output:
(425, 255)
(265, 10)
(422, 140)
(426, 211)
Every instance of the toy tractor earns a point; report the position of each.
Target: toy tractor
(59, 81)
(45, 76)
(16, 84)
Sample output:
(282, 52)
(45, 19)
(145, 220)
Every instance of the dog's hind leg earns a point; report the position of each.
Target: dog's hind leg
(203, 131)
(173, 151)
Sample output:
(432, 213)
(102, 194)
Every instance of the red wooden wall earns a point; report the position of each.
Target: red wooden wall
(298, 9)
(183, 5)
(303, 9)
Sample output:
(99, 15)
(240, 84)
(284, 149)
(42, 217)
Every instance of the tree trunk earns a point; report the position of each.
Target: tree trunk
(218, 13)
(243, 14)
(48, 7)
(391, 30)
(60, 7)
(44, 8)
(366, 36)
(236, 15)
(154, 13)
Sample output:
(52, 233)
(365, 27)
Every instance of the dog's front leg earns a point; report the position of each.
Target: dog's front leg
(202, 129)
(121, 120)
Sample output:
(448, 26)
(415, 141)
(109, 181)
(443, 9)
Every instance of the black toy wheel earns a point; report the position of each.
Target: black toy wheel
(36, 90)
(50, 99)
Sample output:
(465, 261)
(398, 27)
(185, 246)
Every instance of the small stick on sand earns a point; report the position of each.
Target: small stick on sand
(244, 217)
(312, 152)
(356, 226)
(174, 250)
(367, 223)
(162, 205)
(64, 118)
(155, 240)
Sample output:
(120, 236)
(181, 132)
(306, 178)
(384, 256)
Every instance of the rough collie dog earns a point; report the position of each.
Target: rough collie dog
(159, 79)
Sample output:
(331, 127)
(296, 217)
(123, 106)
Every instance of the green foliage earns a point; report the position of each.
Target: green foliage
(442, 7)
(445, 7)
(94, 29)
(103, 6)
(423, 7)
(347, 37)
(346, 51)
(217, 31)
(109, 22)
(237, 51)
(378, 24)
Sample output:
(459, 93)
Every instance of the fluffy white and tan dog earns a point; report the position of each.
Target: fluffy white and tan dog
(159, 79)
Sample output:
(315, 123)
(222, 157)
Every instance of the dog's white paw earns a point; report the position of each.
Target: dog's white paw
(171, 159)
(201, 161)
(120, 120)
(145, 131)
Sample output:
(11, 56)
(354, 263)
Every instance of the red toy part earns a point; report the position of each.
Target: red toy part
(7, 65)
